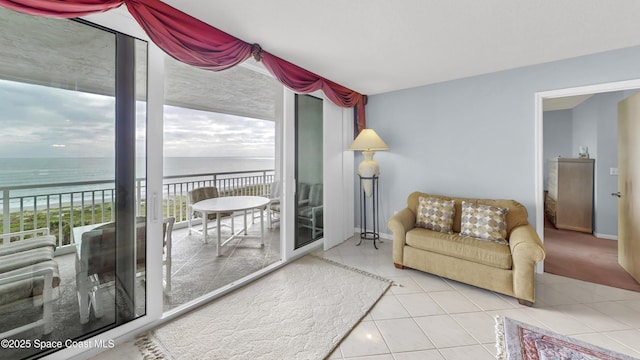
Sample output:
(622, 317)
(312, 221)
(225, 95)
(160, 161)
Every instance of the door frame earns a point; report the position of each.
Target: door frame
(539, 144)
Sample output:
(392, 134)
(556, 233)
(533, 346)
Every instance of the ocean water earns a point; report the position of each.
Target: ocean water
(30, 172)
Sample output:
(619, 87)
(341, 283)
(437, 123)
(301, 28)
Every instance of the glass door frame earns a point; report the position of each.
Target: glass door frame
(155, 99)
(339, 194)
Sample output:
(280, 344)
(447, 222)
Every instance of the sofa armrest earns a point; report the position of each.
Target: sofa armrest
(526, 251)
(399, 224)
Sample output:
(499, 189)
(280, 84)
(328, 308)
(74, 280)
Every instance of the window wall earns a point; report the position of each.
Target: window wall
(68, 56)
(72, 166)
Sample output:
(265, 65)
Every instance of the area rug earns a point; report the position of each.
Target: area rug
(516, 340)
(301, 311)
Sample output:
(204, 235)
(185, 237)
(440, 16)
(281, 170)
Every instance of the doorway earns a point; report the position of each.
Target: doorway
(596, 107)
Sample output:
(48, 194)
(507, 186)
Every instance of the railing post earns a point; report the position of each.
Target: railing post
(6, 213)
(264, 183)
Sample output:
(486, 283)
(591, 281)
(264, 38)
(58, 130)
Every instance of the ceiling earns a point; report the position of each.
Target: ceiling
(564, 103)
(73, 56)
(376, 46)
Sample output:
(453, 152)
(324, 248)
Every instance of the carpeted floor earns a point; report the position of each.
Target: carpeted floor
(585, 257)
(301, 311)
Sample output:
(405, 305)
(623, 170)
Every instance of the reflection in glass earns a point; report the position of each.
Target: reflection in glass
(309, 170)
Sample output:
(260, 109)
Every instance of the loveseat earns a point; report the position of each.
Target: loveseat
(491, 245)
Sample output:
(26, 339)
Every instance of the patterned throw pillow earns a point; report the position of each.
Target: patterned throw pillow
(484, 222)
(435, 214)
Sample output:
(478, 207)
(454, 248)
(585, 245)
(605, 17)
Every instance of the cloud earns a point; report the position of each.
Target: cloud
(199, 133)
(41, 121)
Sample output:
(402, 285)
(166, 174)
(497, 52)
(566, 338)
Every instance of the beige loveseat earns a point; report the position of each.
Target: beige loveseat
(506, 268)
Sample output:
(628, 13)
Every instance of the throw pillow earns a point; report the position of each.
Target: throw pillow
(435, 214)
(484, 222)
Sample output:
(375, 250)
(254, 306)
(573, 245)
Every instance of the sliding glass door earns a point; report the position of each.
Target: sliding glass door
(308, 170)
(72, 182)
(219, 141)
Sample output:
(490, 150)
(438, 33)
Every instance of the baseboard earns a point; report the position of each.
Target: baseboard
(605, 236)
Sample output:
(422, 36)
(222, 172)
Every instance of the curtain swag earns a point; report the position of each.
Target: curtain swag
(196, 43)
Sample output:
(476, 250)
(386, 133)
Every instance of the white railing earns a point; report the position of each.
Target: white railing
(176, 188)
(61, 206)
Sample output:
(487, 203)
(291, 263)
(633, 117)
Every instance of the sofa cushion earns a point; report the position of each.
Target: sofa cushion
(435, 214)
(517, 215)
(484, 222)
(466, 248)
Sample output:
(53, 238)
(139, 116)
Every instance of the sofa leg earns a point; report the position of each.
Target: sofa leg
(398, 266)
(525, 302)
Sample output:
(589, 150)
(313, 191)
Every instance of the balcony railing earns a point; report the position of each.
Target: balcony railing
(62, 206)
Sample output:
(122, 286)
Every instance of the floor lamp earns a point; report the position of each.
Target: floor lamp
(368, 171)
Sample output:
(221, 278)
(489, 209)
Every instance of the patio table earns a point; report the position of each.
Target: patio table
(228, 204)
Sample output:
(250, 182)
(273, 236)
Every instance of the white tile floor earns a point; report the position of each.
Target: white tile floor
(430, 318)
(434, 318)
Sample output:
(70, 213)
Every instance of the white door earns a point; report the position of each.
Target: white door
(629, 198)
(338, 175)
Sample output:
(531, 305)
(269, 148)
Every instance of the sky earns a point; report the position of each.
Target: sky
(42, 121)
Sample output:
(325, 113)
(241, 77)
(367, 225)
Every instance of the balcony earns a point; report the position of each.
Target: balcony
(195, 271)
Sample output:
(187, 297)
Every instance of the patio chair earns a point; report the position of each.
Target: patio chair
(199, 194)
(273, 208)
(29, 278)
(96, 263)
(310, 211)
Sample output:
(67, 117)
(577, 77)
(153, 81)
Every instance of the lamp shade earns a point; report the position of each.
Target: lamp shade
(368, 140)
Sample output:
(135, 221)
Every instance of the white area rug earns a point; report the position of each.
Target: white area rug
(301, 311)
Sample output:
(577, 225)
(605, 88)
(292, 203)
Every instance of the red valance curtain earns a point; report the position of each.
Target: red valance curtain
(196, 43)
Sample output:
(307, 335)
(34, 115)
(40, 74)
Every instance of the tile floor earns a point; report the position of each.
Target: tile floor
(432, 318)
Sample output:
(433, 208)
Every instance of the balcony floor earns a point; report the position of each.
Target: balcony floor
(196, 270)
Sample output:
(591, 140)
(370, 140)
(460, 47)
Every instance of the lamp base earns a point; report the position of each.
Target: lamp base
(369, 221)
(368, 168)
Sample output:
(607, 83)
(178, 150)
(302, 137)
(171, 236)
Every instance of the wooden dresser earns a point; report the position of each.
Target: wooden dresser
(569, 202)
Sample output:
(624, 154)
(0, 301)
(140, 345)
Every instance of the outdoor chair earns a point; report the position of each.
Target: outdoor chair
(273, 208)
(310, 211)
(29, 278)
(96, 263)
(199, 194)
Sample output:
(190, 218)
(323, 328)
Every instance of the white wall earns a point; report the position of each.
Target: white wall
(557, 137)
(475, 136)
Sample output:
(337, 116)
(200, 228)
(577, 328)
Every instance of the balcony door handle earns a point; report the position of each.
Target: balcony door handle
(616, 194)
